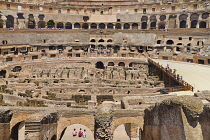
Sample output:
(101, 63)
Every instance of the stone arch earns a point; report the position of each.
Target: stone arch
(194, 16)
(31, 24)
(153, 25)
(121, 64)
(144, 25)
(77, 25)
(110, 63)
(183, 17)
(68, 25)
(93, 26)
(205, 15)
(182, 24)
(110, 26)
(153, 19)
(60, 25)
(126, 26)
(85, 26)
(118, 26)
(102, 26)
(50, 24)
(116, 49)
(99, 65)
(161, 25)
(9, 21)
(162, 17)
(63, 123)
(133, 120)
(194, 24)
(92, 40)
(18, 131)
(130, 64)
(17, 69)
(41, 24)
(109, 40)
(169, 42)
(52, 48)
(3, 73)
(144, 19)
(202, 24)
(135, 26)
(101, 40)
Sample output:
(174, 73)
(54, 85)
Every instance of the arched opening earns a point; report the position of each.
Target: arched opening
(144, 25)
(194, 17)
(93, 26)
(116, 49)
(162, 17)
(202, 24)
(100, 65)
(102, 26)
(31, 24)
(127, 131)
(4, 42)
(17, 69)
(76, 26)
(50, 24)
(131, 64)
(101, 40)
(67, 133)
(118, 26)
(109, 40)
(10, 21)
(134, 26)
(169, 42)
(92, 40)
(194, 24)
(161, 25)
(182, 24)
(52, 48)
(126, 26)
(110, 26)
(205, 15)
(158, 41)
(110, 63)
(18, 131)
(3, 73)
(122, 64)
(59, 25)
(41, 24)
(153, 25)
(85, 26)
(144, 19)
(68, 25)
(178, 49)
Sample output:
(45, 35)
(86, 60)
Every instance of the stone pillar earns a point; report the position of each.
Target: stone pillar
(177, 21)
(103, 118)
(5, 118)
(188, 22)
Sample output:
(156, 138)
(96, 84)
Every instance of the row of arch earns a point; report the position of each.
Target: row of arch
(194, 19)
(100, 65)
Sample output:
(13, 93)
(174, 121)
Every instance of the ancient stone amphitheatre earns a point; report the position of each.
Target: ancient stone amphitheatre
(114, 68)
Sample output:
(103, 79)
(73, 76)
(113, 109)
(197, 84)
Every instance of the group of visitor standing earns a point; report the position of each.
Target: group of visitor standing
(80, 133)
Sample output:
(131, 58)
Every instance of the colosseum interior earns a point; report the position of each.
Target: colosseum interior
(93, 64)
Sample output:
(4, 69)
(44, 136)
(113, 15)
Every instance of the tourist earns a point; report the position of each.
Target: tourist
(84, 133)
(80, 132)
(74, 133)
